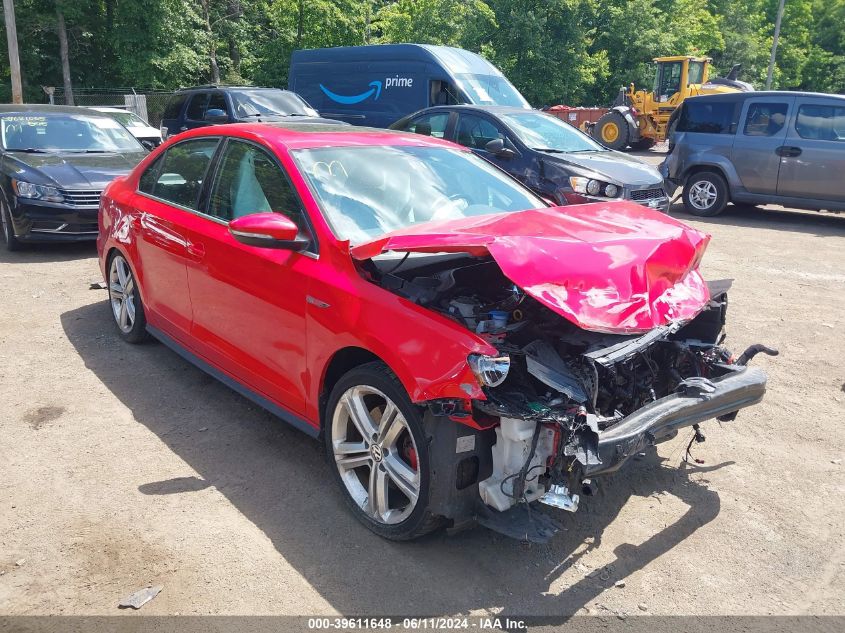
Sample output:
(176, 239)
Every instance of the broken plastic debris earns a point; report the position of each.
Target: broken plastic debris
(19, 563)
(97, 285)
(619, 584)
(140, 597)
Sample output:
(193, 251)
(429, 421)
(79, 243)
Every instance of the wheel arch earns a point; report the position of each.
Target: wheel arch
(342, 361)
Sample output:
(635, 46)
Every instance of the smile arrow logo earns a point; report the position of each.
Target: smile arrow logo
(349, 100)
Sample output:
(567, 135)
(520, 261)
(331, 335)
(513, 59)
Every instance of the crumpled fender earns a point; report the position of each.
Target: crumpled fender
(612, 267)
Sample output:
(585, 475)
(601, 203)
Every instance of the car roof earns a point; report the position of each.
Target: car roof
(222, 87)
(742, 96)
(314, 135)
(6, 108)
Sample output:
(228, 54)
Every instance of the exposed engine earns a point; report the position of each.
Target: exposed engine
(561, 385)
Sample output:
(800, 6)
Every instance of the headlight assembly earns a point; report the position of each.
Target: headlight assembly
(593, 187)
(36, 192)
(490, 371)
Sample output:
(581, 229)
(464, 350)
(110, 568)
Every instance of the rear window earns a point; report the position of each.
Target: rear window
(821, 122)
(709, 117)
(174, 106)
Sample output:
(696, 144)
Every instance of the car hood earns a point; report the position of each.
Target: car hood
(81, 171)
(607, 267)
(616, 166)
(145, 132)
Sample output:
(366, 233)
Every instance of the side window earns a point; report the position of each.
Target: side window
(430, 124)
(706, 117)
(821, 122)
(475, 131)
(442, 93)
(183, 171)
(765, 119)
(250, 181)
(197, 106)
(174, 107)
(148, 179)
(217, 101)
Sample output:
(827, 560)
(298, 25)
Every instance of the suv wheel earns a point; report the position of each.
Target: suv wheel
(378, 452)
(705, 194)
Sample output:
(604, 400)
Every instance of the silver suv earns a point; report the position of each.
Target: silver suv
(784, 148)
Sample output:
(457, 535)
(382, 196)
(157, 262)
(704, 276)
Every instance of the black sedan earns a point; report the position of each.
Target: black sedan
(55, 162)
(551, 157)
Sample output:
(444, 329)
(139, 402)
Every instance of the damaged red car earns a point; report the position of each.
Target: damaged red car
(463, 349)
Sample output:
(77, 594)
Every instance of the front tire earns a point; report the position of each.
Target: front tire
(7, 228)
(643, 144)
(377, 449)
(125, 301)
(611, 130)
(705, 194)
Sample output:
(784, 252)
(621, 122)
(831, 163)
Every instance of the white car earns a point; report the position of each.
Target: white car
(149, 136)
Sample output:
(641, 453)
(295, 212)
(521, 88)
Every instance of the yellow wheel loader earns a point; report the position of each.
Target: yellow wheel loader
(640, 118)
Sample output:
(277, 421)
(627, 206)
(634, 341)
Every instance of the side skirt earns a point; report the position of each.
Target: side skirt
(291, 418)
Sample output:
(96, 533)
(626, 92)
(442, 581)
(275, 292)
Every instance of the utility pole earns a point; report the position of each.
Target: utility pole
(14, 58)
(774, 46)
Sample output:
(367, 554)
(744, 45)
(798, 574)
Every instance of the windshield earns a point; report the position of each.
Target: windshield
(696, 72)
(490, 90)
(128, 119)
(365, 192)
(546, 132)
(269, 102)
(65, 133)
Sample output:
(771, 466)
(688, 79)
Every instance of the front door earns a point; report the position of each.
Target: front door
(756, 153)
(249, 302)
(475, 131)
(812, 164)
(168, 194)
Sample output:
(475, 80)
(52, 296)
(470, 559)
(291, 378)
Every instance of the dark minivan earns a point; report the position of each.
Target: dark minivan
(190, 108)
(776, 147)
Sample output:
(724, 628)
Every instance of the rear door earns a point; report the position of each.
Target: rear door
(813, 156)
(756, 153)
(249, 302)
(167, 199)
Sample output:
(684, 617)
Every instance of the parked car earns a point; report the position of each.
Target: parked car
(54, 163)
(784, 148)
(549, 156)
(458, 345)
(149, 136)
(375, 85)
(191, 108)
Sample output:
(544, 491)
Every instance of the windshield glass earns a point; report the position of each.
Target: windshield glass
(128, 119)
(544, 131)
(65, 133)
(696, 72)
(365, 192)
(269, 102)
(490, 90)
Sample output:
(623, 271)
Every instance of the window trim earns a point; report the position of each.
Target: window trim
(313, 249)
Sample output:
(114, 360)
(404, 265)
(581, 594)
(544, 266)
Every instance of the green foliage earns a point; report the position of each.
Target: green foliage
(554, 51)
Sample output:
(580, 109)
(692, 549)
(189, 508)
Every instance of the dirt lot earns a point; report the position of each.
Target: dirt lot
(122, 466)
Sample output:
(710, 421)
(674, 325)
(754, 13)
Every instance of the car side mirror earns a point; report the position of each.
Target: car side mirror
(148, 145)
(216, 115)
(733, 128)
(497, 148)
(267, 230)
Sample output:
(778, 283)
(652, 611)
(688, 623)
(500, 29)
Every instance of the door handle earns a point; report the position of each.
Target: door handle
(183, 128)
(195, 250)
(788, 151)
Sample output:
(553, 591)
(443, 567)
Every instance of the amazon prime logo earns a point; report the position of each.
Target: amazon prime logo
(374, 91)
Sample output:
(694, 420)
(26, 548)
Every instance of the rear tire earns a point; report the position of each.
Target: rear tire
(125, 300)
(611, 130)
(705, 194)
(381, 464)
(9, 238)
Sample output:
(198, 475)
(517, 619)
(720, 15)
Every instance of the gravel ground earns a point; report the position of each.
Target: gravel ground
(122, 466)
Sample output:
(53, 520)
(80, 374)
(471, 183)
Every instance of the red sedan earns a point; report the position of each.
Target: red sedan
(462, 348)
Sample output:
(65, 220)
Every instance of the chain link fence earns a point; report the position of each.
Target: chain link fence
(147, 104)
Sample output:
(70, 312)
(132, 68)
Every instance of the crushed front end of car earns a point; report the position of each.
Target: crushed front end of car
(607, 341)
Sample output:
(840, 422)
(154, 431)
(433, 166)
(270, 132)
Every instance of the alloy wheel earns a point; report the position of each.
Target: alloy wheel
(703, 195)
(122, 293)
(375, 454)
